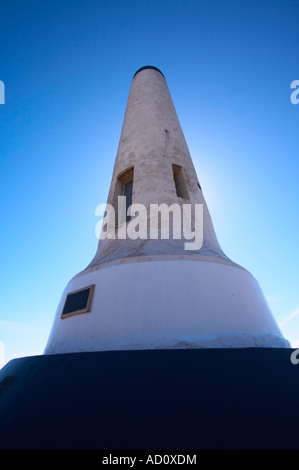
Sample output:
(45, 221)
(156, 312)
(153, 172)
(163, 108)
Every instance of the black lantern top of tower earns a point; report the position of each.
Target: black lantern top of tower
(148, 67)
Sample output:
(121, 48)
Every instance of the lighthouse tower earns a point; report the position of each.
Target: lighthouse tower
(150, 288)
(161, 342)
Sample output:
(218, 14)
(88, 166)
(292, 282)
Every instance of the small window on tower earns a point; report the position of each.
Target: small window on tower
(128, 192)
(179, 181)
(126, 180)
(78, 302)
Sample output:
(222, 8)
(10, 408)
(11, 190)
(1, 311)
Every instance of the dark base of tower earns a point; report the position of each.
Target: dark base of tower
(165, 399)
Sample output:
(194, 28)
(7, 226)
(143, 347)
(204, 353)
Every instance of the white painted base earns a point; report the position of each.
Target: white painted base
(167, 304)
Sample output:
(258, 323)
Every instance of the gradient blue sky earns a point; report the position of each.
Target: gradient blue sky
(67, 68)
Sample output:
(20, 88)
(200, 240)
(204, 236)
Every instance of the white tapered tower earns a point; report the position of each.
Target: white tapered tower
(152, 292)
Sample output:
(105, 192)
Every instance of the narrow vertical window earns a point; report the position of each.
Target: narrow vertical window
(125, 188)
(128, 192)
(179, 181)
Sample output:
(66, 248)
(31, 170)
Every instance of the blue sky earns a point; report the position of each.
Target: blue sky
(67, 68)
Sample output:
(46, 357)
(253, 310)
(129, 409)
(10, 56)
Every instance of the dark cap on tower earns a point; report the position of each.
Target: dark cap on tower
(148, 67)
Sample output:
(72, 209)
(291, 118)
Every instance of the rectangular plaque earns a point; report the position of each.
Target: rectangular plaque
(78, 302)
